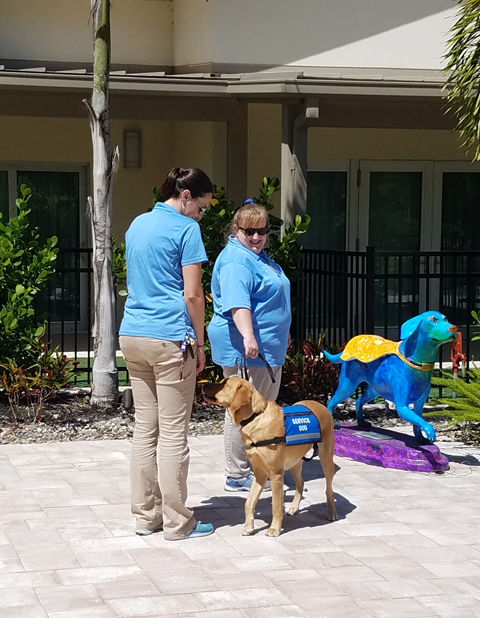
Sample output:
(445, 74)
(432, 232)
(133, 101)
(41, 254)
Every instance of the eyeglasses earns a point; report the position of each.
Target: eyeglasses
(202, 208)
(251, 231)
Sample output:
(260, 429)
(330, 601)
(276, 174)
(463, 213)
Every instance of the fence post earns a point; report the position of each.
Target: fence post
(370, 291)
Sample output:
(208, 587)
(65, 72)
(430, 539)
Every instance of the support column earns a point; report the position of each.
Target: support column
(295, 123)
(237, 152)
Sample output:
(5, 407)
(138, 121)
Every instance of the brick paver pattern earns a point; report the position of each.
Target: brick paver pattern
(406, 545)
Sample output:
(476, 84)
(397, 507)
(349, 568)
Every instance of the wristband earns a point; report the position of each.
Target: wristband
(200, 346)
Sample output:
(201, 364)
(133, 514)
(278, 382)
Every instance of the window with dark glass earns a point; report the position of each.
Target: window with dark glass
(327, 206)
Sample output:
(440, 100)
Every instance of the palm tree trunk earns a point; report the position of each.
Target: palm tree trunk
(99, 208)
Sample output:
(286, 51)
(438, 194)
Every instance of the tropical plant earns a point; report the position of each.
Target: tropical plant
(476, 319)
(119, 267)
(34, 384)
(25, 266)
(105, 163)
(466, 406)
(306, 374)
(463, 73)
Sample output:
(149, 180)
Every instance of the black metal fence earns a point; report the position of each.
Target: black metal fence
(346, 293)
(67, 304)
(341, 294)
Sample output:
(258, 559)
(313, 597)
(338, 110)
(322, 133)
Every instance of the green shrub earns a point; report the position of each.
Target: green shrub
(476, 319)
(466, 406)
(25, 266)
(307, 374)
(39, 381)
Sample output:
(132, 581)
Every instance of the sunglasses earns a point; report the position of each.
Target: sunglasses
(251, 231)
(202, 208)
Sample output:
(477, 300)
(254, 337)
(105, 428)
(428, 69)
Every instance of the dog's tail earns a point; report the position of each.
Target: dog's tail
(333, 358)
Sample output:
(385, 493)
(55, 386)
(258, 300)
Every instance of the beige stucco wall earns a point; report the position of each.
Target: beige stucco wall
(264, 146)
(192, 42)
(203, 145)
(142, 31)
(371, 33)
(59, 142)
(335, 144)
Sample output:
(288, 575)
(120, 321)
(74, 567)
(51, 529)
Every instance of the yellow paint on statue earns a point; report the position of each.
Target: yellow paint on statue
(367, 348)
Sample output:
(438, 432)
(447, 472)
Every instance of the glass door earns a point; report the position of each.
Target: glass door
(457, 229)
(327, 207)
(391, 218)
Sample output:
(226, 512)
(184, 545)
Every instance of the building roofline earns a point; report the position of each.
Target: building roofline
(281, 83)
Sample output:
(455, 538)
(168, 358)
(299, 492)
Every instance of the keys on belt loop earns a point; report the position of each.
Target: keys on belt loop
(186, 347)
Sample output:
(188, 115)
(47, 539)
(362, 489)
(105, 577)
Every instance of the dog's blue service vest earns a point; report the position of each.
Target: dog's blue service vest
(301, 426)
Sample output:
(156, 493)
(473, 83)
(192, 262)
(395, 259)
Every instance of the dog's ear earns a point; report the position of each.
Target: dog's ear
(241, 406)
(410, 326)
(410, 335)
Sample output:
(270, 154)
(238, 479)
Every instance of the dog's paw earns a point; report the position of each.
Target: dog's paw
(332, 515)
(272, 532)
(292, 510)
(247, 530)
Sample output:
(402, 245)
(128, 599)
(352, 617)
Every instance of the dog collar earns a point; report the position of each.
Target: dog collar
(248, 420)
(411, 363)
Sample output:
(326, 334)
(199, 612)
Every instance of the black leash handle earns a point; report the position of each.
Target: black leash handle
(244, 370)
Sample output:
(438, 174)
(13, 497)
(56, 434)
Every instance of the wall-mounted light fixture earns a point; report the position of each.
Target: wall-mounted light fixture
(132, 149)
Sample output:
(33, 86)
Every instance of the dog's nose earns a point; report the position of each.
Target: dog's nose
(453, 328)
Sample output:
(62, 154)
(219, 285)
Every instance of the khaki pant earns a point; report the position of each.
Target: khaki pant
(160, 454)
(236, 460)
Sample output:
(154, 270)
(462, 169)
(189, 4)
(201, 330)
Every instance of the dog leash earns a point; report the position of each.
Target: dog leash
(244, 368)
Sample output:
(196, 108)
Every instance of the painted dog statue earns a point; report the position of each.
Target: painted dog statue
(399, 371)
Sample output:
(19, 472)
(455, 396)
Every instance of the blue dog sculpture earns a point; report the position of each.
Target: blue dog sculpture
(398, 371)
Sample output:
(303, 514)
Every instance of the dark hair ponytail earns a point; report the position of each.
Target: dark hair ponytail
(193, 179)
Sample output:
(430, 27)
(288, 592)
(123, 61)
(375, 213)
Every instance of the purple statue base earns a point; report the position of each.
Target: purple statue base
(389, 449)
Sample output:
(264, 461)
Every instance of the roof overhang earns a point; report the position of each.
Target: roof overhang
(269, 84)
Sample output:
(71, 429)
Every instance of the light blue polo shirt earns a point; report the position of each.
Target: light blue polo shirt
(158, 244)
(242, 279)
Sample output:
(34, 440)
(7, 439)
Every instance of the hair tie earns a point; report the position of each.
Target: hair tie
(248, 201)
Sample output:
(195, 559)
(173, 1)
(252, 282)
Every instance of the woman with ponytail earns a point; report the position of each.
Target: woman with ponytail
(162, 340)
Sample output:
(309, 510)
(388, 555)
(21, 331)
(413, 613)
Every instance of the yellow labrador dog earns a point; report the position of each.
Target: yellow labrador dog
(261, 420)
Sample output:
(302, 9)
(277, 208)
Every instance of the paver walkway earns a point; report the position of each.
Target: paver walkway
(407, 544)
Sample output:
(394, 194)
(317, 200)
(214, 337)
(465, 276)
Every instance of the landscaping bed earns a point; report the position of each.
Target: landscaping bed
(71, 418)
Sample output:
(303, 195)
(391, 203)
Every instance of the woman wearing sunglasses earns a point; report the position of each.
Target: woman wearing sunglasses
(251, 322)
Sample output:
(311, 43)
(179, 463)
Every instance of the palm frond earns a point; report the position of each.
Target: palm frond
(463, 73)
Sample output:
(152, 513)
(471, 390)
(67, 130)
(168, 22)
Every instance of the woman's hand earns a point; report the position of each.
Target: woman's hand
(243, 321)
(251, 346)
(200, 359)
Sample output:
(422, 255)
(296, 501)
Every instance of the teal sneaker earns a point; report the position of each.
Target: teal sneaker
(200, 530)
(244, 483)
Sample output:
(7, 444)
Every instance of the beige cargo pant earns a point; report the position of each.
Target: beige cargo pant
(160, 455)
